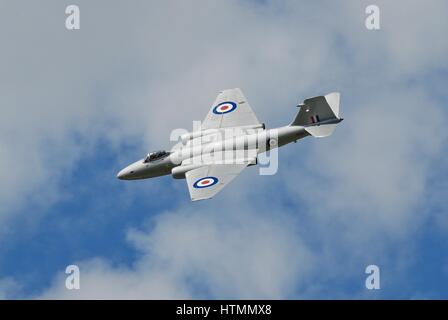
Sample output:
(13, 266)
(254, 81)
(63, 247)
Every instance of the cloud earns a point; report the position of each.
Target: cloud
(201, 254)
(379, 166)
(8, 287)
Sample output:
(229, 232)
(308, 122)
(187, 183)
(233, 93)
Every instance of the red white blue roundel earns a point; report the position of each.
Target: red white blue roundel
(205, 182)
(224, 107)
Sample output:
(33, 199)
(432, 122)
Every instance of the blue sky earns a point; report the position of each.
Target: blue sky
(77, 106)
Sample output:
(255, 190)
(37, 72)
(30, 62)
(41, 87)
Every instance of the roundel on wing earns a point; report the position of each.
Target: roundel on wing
(224, 107)
(205, 182)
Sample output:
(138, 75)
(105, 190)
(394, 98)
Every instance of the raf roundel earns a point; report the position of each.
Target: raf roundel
(205, 182)
(224, 107)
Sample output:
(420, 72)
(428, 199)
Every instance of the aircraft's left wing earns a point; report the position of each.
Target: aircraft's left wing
(230, 109)
(208, 180)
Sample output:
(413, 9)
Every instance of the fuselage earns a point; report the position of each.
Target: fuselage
(259, 140)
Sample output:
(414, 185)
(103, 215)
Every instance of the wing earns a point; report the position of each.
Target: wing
(208, 180)
(230, 109)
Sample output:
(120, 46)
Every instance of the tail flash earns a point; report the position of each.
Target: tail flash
(319, 115)
(321, 131)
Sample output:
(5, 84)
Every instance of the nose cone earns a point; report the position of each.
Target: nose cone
(127, 173)
(122, 174)
(132, 172)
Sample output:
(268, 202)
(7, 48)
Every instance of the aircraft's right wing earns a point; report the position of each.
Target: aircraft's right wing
(208, 180)
(230, 109)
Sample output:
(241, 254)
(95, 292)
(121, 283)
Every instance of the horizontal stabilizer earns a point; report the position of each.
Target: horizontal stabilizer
(321, 131)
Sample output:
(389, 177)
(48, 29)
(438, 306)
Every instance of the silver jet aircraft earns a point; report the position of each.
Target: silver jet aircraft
(229, 139)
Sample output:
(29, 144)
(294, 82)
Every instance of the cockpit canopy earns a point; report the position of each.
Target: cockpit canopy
(152, 156)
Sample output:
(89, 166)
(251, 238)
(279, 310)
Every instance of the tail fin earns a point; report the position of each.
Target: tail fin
(319, 115)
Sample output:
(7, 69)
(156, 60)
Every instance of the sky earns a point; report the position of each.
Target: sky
(77, 106)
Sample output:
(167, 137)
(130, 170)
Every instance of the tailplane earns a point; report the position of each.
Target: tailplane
(319, 115)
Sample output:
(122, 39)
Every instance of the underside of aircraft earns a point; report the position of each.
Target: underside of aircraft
(229, 140)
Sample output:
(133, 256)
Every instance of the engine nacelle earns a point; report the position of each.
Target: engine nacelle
(180, 171)
(202, 133)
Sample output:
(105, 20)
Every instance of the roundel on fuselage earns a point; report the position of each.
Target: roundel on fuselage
(224, 107)
(205, 182)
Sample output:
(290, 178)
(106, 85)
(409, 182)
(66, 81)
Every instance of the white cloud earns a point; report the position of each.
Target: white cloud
(8, 287)
(201, 254)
